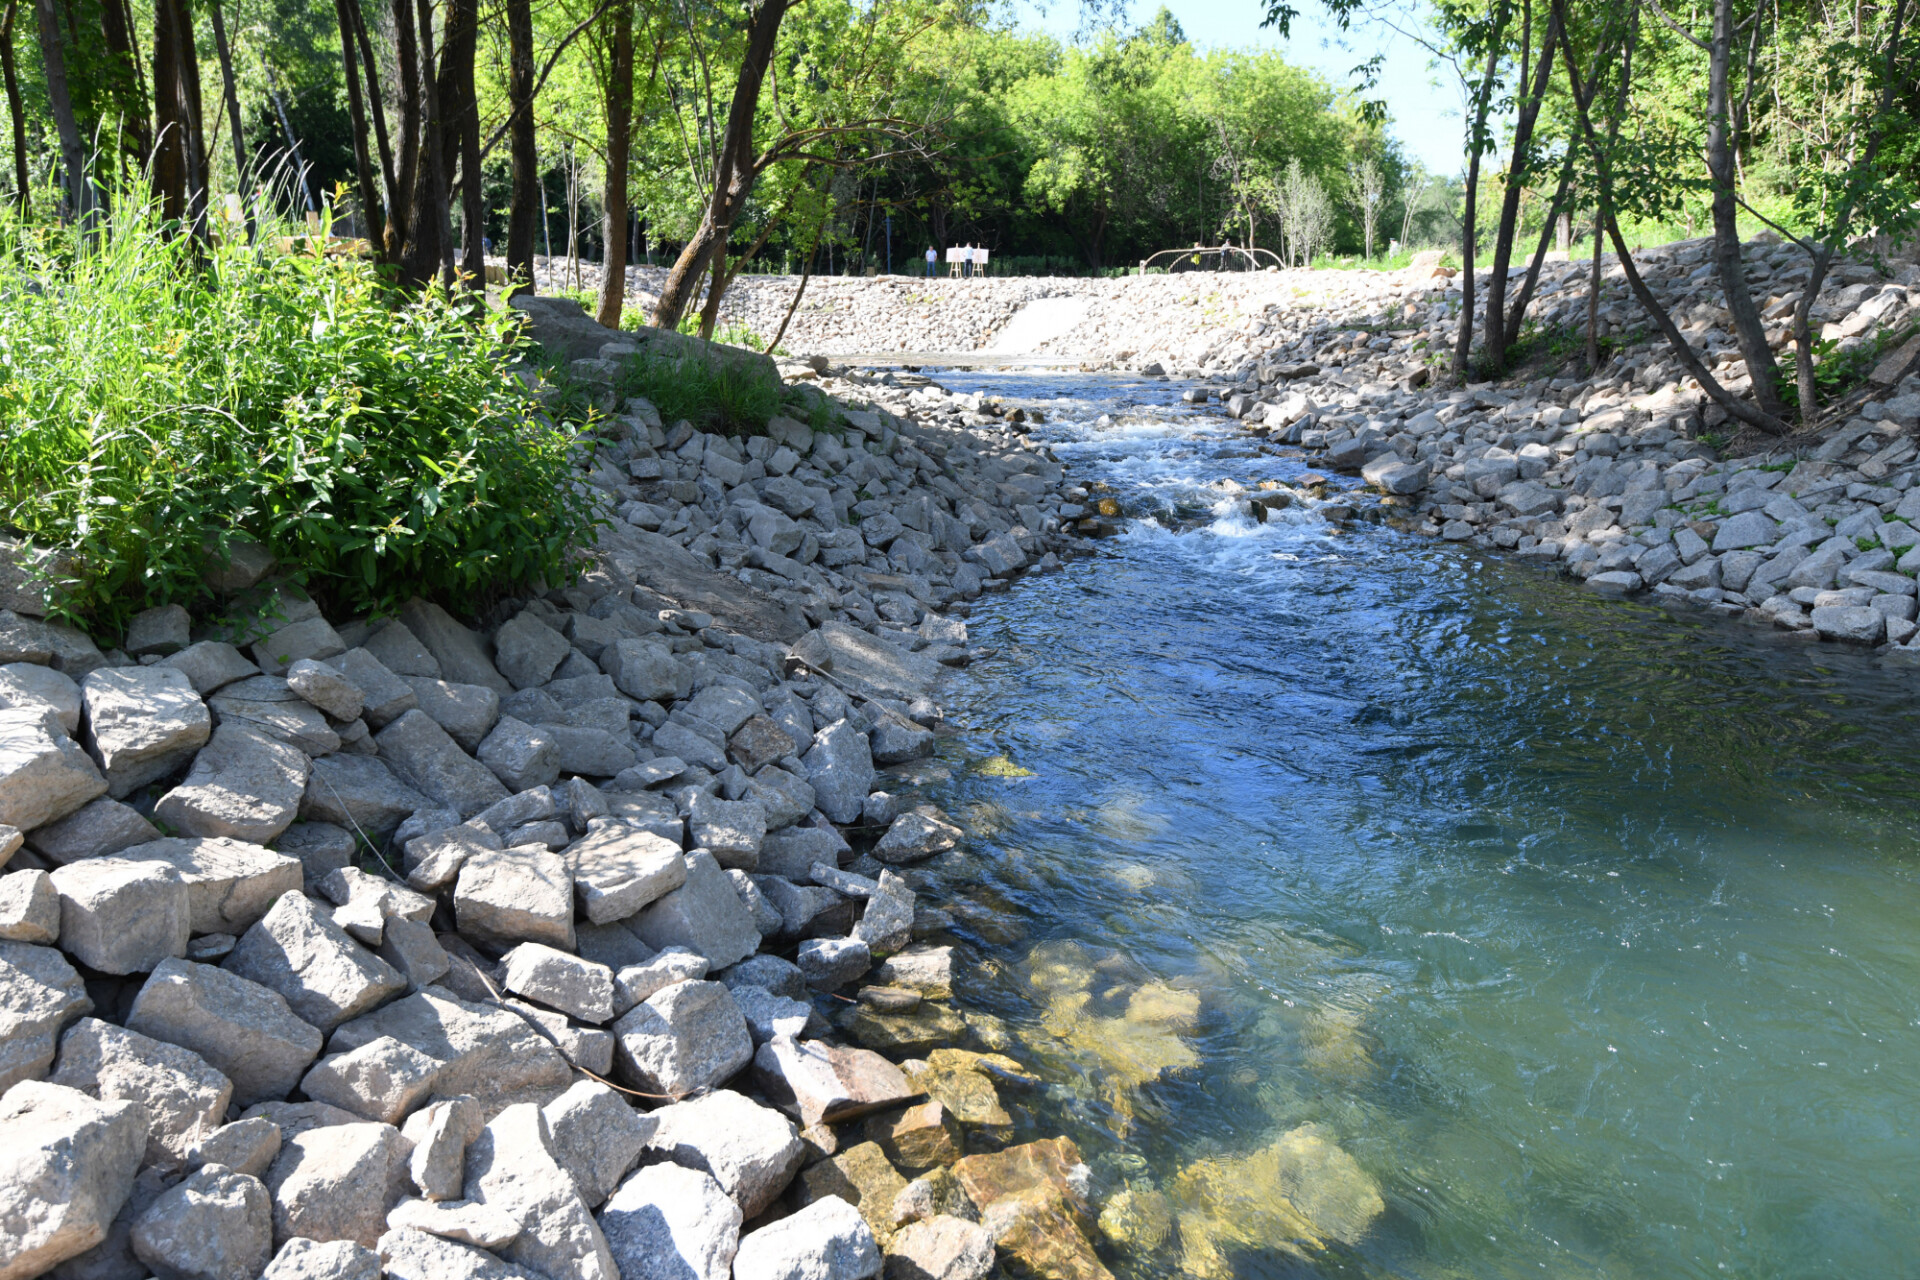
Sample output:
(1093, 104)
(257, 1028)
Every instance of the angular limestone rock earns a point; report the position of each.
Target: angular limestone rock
(440, 1133)
(704, 915)
(916, 836)
(510, 1167)
(382, 1080)
(425, 758)
(688, 1037)
(414, 1255)
(242, 1029)
(484, 1050)
(268, 705)
(245, 1146)
(825, 1239)
(326, 977)
(39, 994)
(823, 1083)
(212, 665)
(752, 1151)
(941, 1248)
(243, 785)
(465, 711)
(29, 908)
(337, 1183)
(527, 650)
(560, 981)
(231, 884)
(461, 655)
(27, 685)
(670, 1223)
(142, 723)
(325, 686)
(185, 1098)
(122, 917)
(840, 770)
(44, 775)
(476, 1224)
(67, 1164)
(304, 1259)
(216, 1225)
(516, 895)
(521, 755)
(359, 793)
(384, 696)
(618, 871)
(597, 1137)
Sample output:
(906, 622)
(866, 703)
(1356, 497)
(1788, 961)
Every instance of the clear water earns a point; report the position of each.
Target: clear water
(1590, 931)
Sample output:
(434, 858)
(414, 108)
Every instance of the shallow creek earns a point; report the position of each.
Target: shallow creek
(1375, 908)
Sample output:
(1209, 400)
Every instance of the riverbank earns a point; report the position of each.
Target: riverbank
(581, 936)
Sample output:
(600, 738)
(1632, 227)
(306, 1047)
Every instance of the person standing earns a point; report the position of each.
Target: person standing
(966, 261)
(932, 258)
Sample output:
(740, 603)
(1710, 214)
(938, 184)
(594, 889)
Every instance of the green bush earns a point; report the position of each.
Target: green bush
(155, 404)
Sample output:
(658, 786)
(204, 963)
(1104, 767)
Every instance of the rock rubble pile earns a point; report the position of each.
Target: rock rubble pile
(583, 944)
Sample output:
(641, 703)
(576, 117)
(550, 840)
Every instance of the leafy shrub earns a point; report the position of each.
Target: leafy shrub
(155, 405)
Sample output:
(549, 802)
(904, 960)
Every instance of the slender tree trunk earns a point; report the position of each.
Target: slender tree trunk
(376, 109)
(403, 209)
(1517, 171)
(1593, 292)
(460, 135)
(194, 139)
(1750, 331)
(732, 169)
(717, 285)
(370, 198)
(22, 181)
(1517, 313)
(1463, 345)
(526, 197)
(805, 275)
(231, 92)
(128, 96)
(613, 274)
(428, 227)
(170, 129)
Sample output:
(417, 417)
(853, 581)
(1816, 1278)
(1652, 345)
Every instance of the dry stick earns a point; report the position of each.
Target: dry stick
(805, 276)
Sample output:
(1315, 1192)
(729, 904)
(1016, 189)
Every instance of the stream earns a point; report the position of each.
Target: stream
(1377, 907)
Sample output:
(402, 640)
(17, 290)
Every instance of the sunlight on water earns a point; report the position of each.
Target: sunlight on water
(1373, 908)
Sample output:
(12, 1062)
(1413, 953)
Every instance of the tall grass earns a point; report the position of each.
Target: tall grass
(714, 394)
(158, 400)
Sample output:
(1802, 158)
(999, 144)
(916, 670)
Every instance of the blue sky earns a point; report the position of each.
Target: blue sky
(1425, 108)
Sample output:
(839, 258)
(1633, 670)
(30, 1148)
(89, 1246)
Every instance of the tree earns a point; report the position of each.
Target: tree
(1370, 182)
(619, 100)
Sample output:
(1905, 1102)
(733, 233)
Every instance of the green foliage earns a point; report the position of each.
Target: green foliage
(1837, 372)
(155, 406)
(715, 395)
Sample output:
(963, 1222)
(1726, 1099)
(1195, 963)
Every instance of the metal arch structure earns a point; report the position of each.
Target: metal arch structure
(1214, 258)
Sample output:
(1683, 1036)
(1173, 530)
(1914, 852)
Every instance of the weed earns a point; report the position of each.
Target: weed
(1867, 544)
(714, 394)
(1785, 465)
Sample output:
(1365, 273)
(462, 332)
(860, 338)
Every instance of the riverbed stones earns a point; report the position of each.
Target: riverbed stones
(325, 976)
(704, 915)
(407, 1254)
(215, 1225)
(576, 987)
(732, 831)
(527, 650)
(243, 785)
(426, 759)
(230, 883)
(916, 836)
(510, 1167)
(460, 654)
(121, 916)
(245, 1146)
(303, 1259)
(688, 1037)
(618, 870)
(840, 770)
(832, 963)
(142, 723)
(672, 1223)
(185, 1098)
(597, 1137)
(44, 774)
(242, 1029)
(336, 1182)
(483, 1050)
(862, 1176)
(39, 994)
(822, 1083)
(359, 793)
(827, 1240)
(29, 908)
(516, 895)
(67, 1164)
(638, 982)
(751, 1151)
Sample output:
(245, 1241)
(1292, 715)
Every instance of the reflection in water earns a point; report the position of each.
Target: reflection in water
(1377, 909)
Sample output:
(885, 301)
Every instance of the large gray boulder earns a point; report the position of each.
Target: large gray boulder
(671, 1223)
(618, 870)
(688, 1037)
(325, 976)
(67, 1164)
(597, 1137)
(426, 759)
(359, 793)
(461, 655)
(864, 664)
(337, 1182)
(185, 1098)
(122, 917)
(39, 994)
(704, 915)
(647, 670)
(510, 1166)
(382, 1080)
(439, 1134)
(384, 696)
(515, 895)
(304, 1259)
(465, 711)
(243, 785)
(942, 1247)
(559, 980)
(242, 1029)
(97, 828)
(268, 705)
(752, 1151)
(27, 685)
(827, 1240)
(483, 1050)
(216, 1225)
(230, 884)
(527, 650)
(840, 769)
(142, 723)
(44, 775)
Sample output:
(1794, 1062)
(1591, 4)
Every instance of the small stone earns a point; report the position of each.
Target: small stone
(67, 1164)
(941, 1248)
(928, 970)
(44, 775)
(325, 976)
(896, 740)
(381, 1080)
(39, 994)
(425, 758)
(230, 883)
(647, 671)
(242, 1029)
(618, 871)
(304, 1259)
(327, 688)
(527, 650)
(29, 908)
(27, 685)
(771, 973)
(862, 1177)
(561, 981)
(752, 1151)
(335, 1182)
(597, 1137)
(688, 1037)
(245, 1146)
(1856, 625)
(142, 723)
(482, 1226)
(916, 836)
(767, 919)
(831, 963)
(769, 1016)
(268, 705)
(670, 1223)
(926, 1028)
(122, 917)
(185, 1099)
(612, 945)
(521, 755)
(510, 1166)
(516, 895)
(439, 1134)
(887, 924)
(922, 1137)
(216, 1225)
(321, 847)
(400, 651)
(759, 742)
(840, 769)
(158, 631)
(433, 862)
(415, 1255)
(827, 1240)
(704, 915)
(823, 1083)
(637, 982)
(243, 785)
(212, 665)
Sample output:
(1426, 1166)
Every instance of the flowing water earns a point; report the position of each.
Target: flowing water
(1375, 907)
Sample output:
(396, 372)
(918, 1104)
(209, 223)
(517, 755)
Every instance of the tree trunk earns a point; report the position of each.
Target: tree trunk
(231, 93)
(526, 198)
(1463, 345)
(428, 228)
(1593, 292)
(1517, 169)
(460, 134)
(716, 287)
(194, 137)
(169, 153)
(116, 30)
(613, 273)
(1517, 314)
(376, 110)
(370, 200)
(1748, 328)
(10, 71)
(401, 209)
(732, 168)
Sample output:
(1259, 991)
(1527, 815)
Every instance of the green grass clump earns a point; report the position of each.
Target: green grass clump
(717, 395)
(156, 401)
